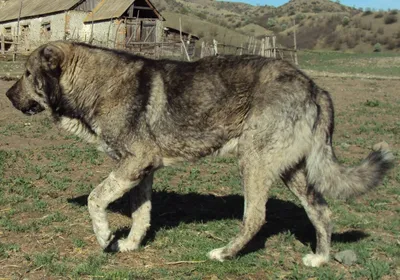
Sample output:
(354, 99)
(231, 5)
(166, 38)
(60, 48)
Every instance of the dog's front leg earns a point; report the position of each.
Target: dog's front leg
(128, 175)
(140, 200)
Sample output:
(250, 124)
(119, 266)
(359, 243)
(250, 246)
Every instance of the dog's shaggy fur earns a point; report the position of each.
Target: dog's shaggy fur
(147, 114)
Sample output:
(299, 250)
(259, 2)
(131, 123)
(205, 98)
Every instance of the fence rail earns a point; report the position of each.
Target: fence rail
(266, 47)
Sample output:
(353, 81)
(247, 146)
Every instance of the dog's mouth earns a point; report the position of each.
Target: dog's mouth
(33, 108)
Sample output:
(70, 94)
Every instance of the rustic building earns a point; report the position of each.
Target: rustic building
(125, 24)
(112, 23)
(173, 44)
(40, 21)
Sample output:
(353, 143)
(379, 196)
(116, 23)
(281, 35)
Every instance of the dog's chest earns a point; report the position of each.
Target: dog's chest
(92, 136)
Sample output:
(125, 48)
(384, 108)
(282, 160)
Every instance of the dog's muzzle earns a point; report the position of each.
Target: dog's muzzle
(32, 109)
(25, 104)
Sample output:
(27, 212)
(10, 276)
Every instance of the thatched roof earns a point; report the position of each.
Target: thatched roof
(33, 8)
(112, 9)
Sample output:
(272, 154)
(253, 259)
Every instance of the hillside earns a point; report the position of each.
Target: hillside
(320, 24)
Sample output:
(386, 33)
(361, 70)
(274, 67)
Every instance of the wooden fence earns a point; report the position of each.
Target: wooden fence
(8, 46)
(266, 47)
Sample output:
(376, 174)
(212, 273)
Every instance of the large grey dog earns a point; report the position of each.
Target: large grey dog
(153, 113)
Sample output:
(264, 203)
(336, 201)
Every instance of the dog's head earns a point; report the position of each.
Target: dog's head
(38, 88)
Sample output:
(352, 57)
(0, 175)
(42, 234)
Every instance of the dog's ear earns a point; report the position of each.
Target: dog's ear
(52, 56)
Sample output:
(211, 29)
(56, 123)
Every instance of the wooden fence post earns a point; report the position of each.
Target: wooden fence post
(183, 43)
(249, 46)
(116, 33)
(295, 44)
(215, 47)
(3, 44)
(108, 32)
(262, 49)
(274, 45)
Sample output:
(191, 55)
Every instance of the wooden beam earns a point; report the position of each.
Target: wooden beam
(155, 10)
(143, 8)
(130, 11)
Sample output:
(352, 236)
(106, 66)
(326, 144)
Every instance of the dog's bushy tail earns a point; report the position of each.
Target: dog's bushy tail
(324, 171)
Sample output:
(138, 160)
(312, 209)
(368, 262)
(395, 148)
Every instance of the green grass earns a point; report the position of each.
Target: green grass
(355, 63)
(45, 229)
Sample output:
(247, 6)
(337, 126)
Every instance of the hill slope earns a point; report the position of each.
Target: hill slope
(319, 23)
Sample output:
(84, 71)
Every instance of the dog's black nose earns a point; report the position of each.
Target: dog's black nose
(32, 109)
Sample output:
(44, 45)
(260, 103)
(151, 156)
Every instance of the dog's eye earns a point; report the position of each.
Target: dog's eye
(27, 73)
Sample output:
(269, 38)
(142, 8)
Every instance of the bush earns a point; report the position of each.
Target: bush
(391, 44)
(357, 22)
(351, 42)
(202, 15)
(366, 26)
(271, 23)
(213, 31)
(378, 15)
(184, 11)
(384, 40)
(393, 12)
(337, 45)
(299, 17)
(345, 21)
(389, 19)
(381, 30)
(377, 47)
(367, 12)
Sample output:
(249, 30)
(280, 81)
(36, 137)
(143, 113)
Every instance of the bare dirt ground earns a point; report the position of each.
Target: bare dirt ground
(54, 173)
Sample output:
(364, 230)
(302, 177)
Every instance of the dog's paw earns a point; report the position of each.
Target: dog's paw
(217, 254)
(104, 239)
(314, 260)
(126, 245)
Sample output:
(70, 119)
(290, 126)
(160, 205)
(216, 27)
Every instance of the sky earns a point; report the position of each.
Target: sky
(374, 4)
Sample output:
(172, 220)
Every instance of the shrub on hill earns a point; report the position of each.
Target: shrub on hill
(367, 12)
(391, 45)
(377, 47)
(271, 23)
(299, 17)
(345, 21)
(389, 19)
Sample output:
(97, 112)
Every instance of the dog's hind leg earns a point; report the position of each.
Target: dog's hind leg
(256, 180)
(140, 200)
(317, 210)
